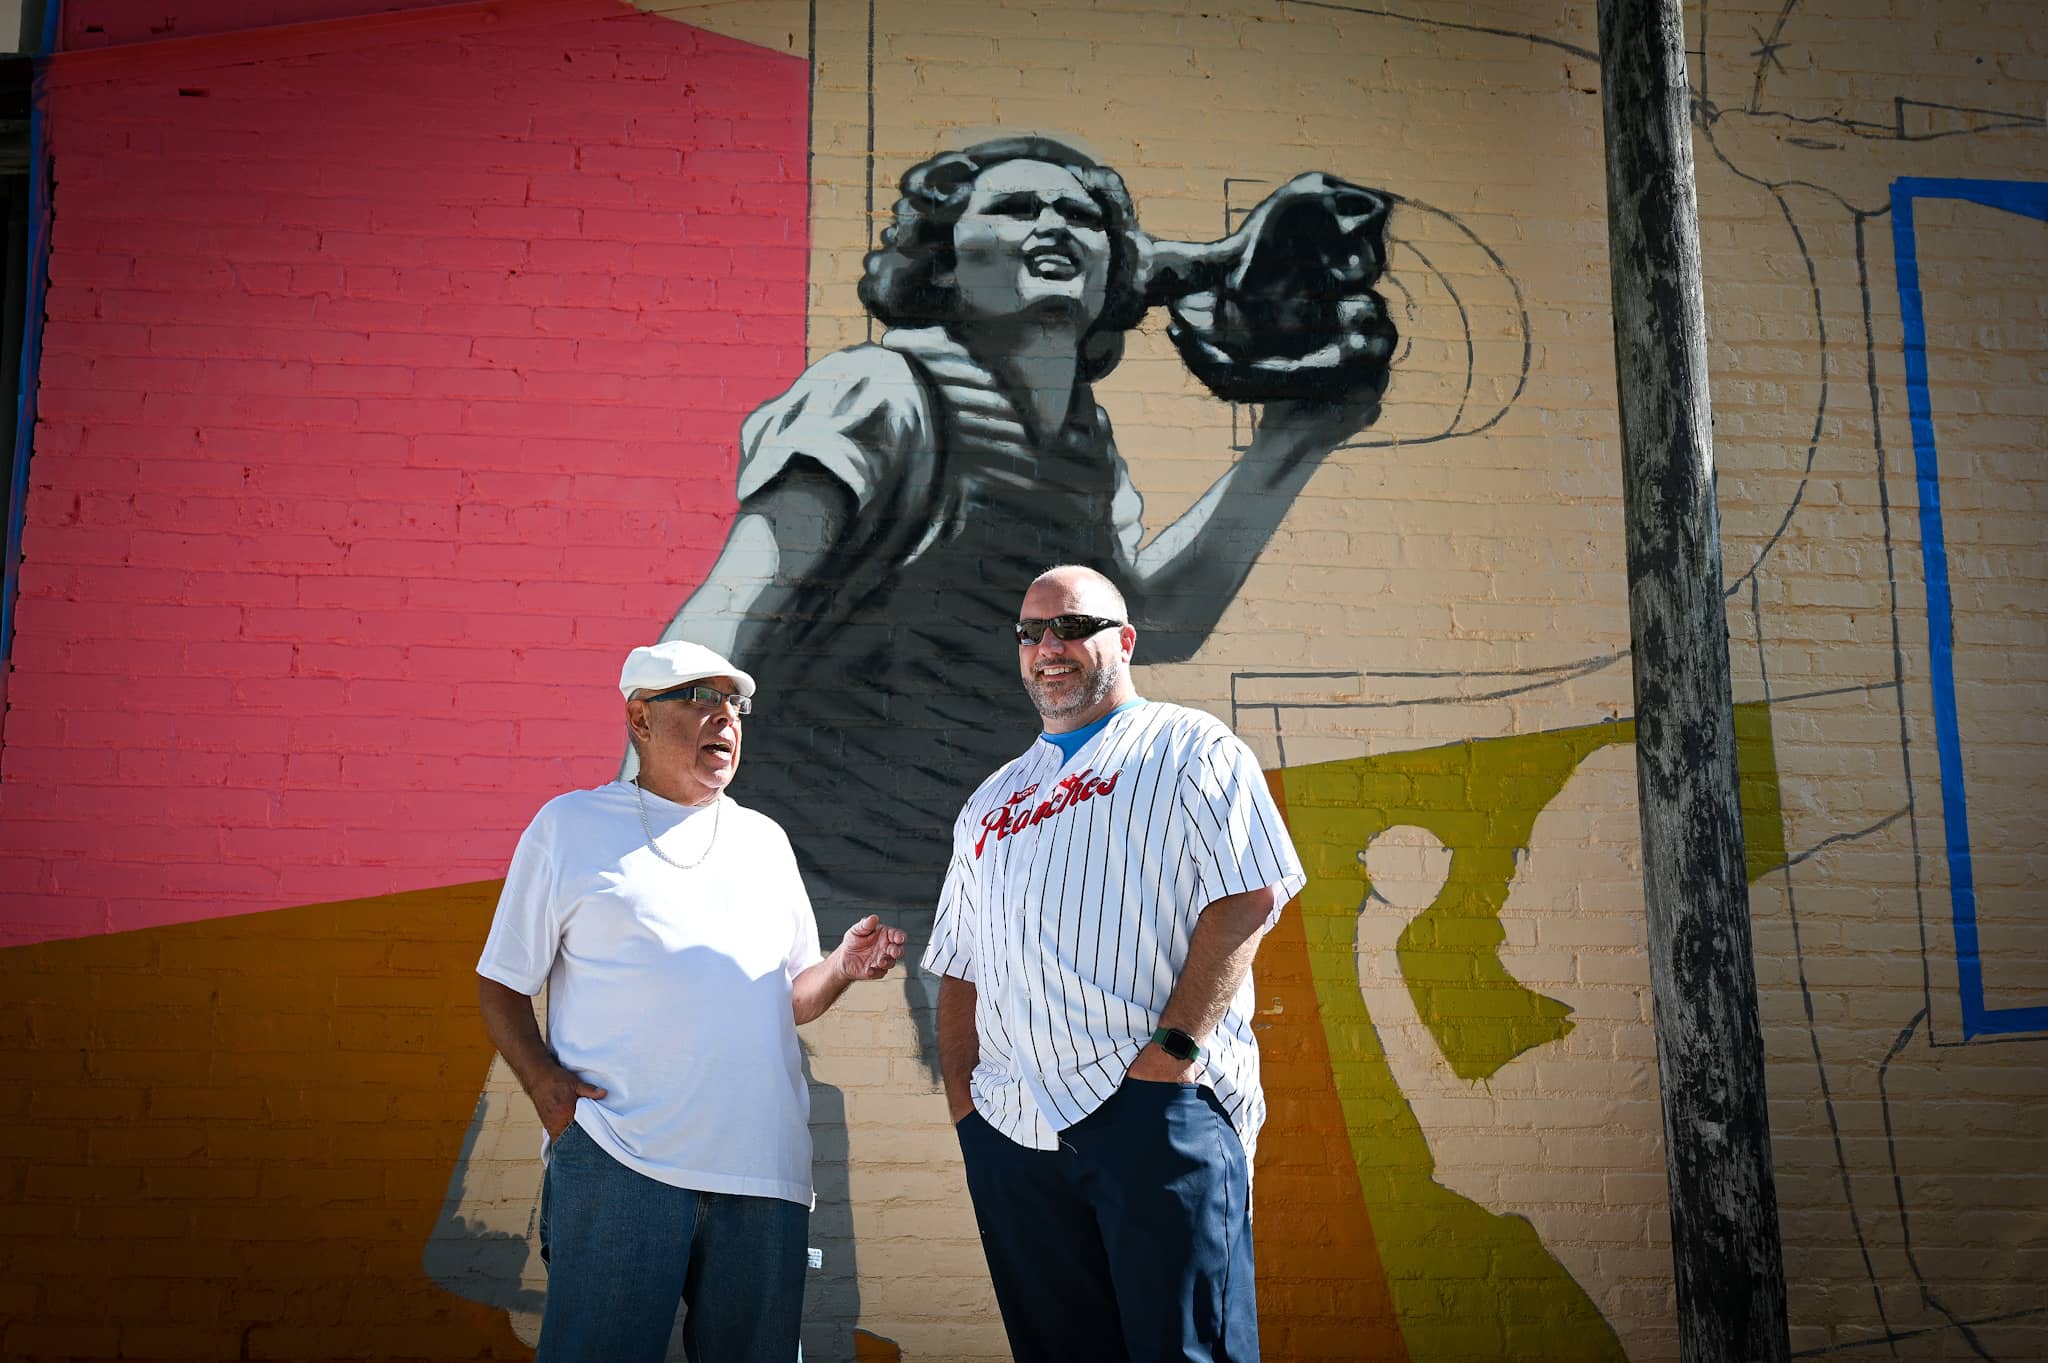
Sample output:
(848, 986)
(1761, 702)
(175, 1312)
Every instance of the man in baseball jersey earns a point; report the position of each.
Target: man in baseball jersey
(671, 928)
(1107, 892)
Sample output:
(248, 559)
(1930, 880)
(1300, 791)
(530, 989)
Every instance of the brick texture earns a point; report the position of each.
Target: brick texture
(391, 382)
(366, 454)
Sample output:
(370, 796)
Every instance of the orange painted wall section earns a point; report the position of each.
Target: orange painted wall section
(1322, 1288)
(231, 1139)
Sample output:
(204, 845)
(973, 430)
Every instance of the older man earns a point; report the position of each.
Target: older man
(672, 930)
(1107, 893)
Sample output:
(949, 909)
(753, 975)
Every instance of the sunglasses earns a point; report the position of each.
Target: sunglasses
(1066, 627)
(709, 697)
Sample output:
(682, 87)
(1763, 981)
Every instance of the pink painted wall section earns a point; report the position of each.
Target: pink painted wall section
(363, 459)
(108, 23)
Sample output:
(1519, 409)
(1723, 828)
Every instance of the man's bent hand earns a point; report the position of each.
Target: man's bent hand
(554, 1093)
(867, 952)
(508, 1017)
(869, 949)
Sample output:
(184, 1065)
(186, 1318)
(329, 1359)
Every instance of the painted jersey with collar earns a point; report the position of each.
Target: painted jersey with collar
(1074, 888)
(956, 505)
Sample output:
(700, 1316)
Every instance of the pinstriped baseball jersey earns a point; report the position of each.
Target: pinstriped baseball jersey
(1074, 888)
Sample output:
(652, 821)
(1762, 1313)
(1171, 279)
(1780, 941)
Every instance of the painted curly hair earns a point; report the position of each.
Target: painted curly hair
(900, 285)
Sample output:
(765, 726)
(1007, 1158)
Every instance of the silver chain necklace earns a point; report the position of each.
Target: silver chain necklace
(640, 799)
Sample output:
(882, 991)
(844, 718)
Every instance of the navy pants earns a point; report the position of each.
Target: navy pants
(1132, 1241)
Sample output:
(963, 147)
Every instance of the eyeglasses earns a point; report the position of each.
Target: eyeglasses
(1066, 627)
(709, 697)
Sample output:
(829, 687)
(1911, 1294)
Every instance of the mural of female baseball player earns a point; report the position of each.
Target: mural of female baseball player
(892, 499)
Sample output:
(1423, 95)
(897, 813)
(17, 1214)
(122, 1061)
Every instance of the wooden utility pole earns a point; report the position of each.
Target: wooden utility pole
(1717, 1140)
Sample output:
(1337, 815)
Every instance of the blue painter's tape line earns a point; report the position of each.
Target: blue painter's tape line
(2028, 199)
(37, 283)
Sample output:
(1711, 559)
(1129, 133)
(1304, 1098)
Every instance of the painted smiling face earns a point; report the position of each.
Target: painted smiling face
(1031, 243)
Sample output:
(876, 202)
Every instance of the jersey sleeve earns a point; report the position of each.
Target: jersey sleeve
(952, 949)
(1240, 840)
(526, 930)
(854, 413)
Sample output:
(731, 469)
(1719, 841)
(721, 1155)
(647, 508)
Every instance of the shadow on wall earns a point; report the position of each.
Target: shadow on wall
(486, 1244)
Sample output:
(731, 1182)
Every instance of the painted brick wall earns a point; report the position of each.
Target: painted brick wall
(363, 457)
(382, 358)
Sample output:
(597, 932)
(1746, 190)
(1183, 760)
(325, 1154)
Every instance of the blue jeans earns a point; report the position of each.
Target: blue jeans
(1131, 1243)
(623, 1249)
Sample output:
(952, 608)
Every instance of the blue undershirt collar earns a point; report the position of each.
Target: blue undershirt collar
(1070, 743)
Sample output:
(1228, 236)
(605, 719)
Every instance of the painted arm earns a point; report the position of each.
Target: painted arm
(772, 554)
(1182, 580)
(867, 952)
(1220, 952)
(508, 1017)
(959, 1044)
(1281, 312)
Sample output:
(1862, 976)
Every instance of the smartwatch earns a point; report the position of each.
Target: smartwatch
(1177, 1044)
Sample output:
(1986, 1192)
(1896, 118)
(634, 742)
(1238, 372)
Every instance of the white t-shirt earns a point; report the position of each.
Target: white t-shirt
(1074, 890)
(668, 988)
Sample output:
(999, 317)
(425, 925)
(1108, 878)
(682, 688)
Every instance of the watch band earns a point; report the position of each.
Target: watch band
(1177, 1044)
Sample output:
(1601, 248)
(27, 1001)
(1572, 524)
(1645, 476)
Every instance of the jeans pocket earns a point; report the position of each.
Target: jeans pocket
(574, 1149)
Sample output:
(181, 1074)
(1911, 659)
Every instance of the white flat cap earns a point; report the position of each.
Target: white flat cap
(657, 667)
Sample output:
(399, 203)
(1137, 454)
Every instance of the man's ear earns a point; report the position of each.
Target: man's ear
(636, 719)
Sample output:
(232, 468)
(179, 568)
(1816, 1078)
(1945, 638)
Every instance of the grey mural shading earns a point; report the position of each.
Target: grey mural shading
(894, 502)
